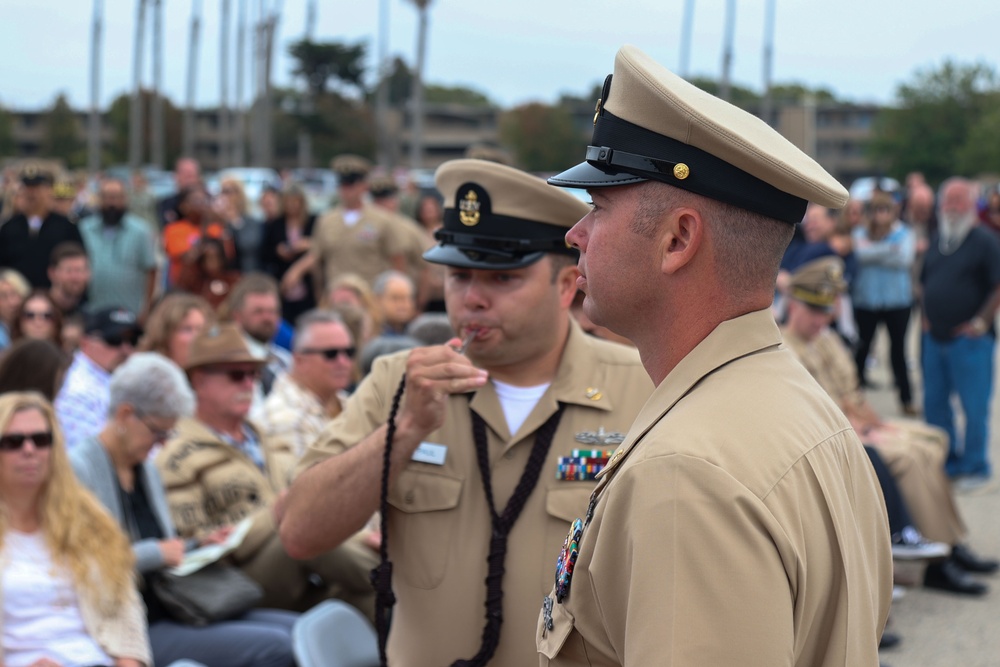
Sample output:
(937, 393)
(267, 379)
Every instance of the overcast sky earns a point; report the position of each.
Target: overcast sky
(516, 50)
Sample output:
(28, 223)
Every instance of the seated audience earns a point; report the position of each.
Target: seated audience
(110, 335)
(397, 301)
(14, 289)
(68, 593)
(69, 273)
(312, 391)
(219, 469)
(913, 451)
(208, 276)
(38, 317)
(148, 395)
(33, 365)
(174, 323)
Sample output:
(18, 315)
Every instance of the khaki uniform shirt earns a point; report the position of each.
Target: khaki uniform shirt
(365, 248)
(439, 521)
(414, 242)
(741, 524)
(210, 484)
(830, 363)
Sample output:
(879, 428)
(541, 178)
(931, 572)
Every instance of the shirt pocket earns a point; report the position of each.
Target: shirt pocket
(550, 642)
(422, 522)
(562, 506)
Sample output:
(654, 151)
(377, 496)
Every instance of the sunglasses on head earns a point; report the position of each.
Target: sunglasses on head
(11, 442)
(236, 375)
(38, 314)
(331, 353)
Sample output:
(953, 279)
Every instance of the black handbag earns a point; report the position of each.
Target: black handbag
(217, 592)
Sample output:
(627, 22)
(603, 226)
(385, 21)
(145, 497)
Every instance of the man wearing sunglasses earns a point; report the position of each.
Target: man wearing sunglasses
(220, 469)
(312, 392)
(109, 337)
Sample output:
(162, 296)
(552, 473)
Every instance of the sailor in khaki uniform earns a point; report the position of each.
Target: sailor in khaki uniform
(532, 396)
(740, 521)
(353, 237)
(913, 451)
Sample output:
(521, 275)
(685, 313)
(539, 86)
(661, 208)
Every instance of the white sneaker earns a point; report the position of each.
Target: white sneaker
(911, 545)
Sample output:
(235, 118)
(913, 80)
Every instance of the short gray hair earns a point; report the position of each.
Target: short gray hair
(311, 317)
(382, 345)
(381, 282)
(153, 385)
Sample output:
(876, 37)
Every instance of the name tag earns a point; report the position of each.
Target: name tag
(428, 452)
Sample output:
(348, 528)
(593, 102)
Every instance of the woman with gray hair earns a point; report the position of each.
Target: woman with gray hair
(149, 393)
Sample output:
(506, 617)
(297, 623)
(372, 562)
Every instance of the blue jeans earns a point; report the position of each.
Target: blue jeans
(963, 366)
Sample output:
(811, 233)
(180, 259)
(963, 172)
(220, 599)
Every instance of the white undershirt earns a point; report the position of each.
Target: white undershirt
(41, 613)
(518, 402)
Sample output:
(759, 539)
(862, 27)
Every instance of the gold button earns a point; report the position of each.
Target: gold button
(681, 171)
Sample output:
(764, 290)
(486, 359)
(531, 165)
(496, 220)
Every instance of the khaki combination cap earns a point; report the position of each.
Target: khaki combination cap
(381, 187)
(350, 168)
(819, 282)
(222, 344)
(498, 217)
(33, 174)
(651, 124)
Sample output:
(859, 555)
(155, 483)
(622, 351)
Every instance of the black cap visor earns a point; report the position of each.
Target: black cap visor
(478, 258)
(586, 175)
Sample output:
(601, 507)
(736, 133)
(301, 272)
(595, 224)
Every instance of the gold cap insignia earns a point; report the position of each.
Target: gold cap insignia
(597, 110)
(468, 209)
(681, 171)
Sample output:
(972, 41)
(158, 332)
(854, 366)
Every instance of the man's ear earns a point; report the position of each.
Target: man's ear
(566, 284)
(682, 235)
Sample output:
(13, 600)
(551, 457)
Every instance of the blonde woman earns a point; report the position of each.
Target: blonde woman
(67, 588)
(231, 205)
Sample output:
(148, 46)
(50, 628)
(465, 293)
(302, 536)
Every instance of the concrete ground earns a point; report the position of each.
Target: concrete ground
(940, 629)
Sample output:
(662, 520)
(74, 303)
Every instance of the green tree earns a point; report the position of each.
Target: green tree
(541, 137)
(6, 133)
(61, 138)
(437, 94)
(118, 119)
(326, 64)
(929, 129)
(981, 152)
(337, 125)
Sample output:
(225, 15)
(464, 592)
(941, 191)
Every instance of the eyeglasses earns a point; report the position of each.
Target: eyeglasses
(119, 339)
(235, 375)
(12, 442)
(38, 315)
(159, 434)
(331, 353)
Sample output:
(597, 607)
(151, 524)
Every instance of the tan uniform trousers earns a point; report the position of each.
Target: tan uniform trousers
(915, 454)
(288, 583)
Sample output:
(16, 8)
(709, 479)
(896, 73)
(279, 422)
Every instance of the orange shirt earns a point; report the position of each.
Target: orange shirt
(180, 236)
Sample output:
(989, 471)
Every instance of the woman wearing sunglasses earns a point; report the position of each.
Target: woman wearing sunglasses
(67, 591)
(149, 393)
(38, 318)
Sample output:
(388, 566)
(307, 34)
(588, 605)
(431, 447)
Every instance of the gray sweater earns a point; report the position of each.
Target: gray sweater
(96, 471)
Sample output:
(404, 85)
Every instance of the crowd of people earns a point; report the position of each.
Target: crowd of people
(173, 372)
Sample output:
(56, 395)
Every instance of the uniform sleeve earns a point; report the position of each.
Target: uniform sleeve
(687, 571)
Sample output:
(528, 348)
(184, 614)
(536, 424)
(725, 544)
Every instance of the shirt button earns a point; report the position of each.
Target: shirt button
(408, 498)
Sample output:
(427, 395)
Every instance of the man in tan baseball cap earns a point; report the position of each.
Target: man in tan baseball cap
(495, 450)
(740, 521)
(220, 469)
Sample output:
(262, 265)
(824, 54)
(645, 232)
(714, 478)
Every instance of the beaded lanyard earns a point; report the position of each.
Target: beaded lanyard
(502, 523)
